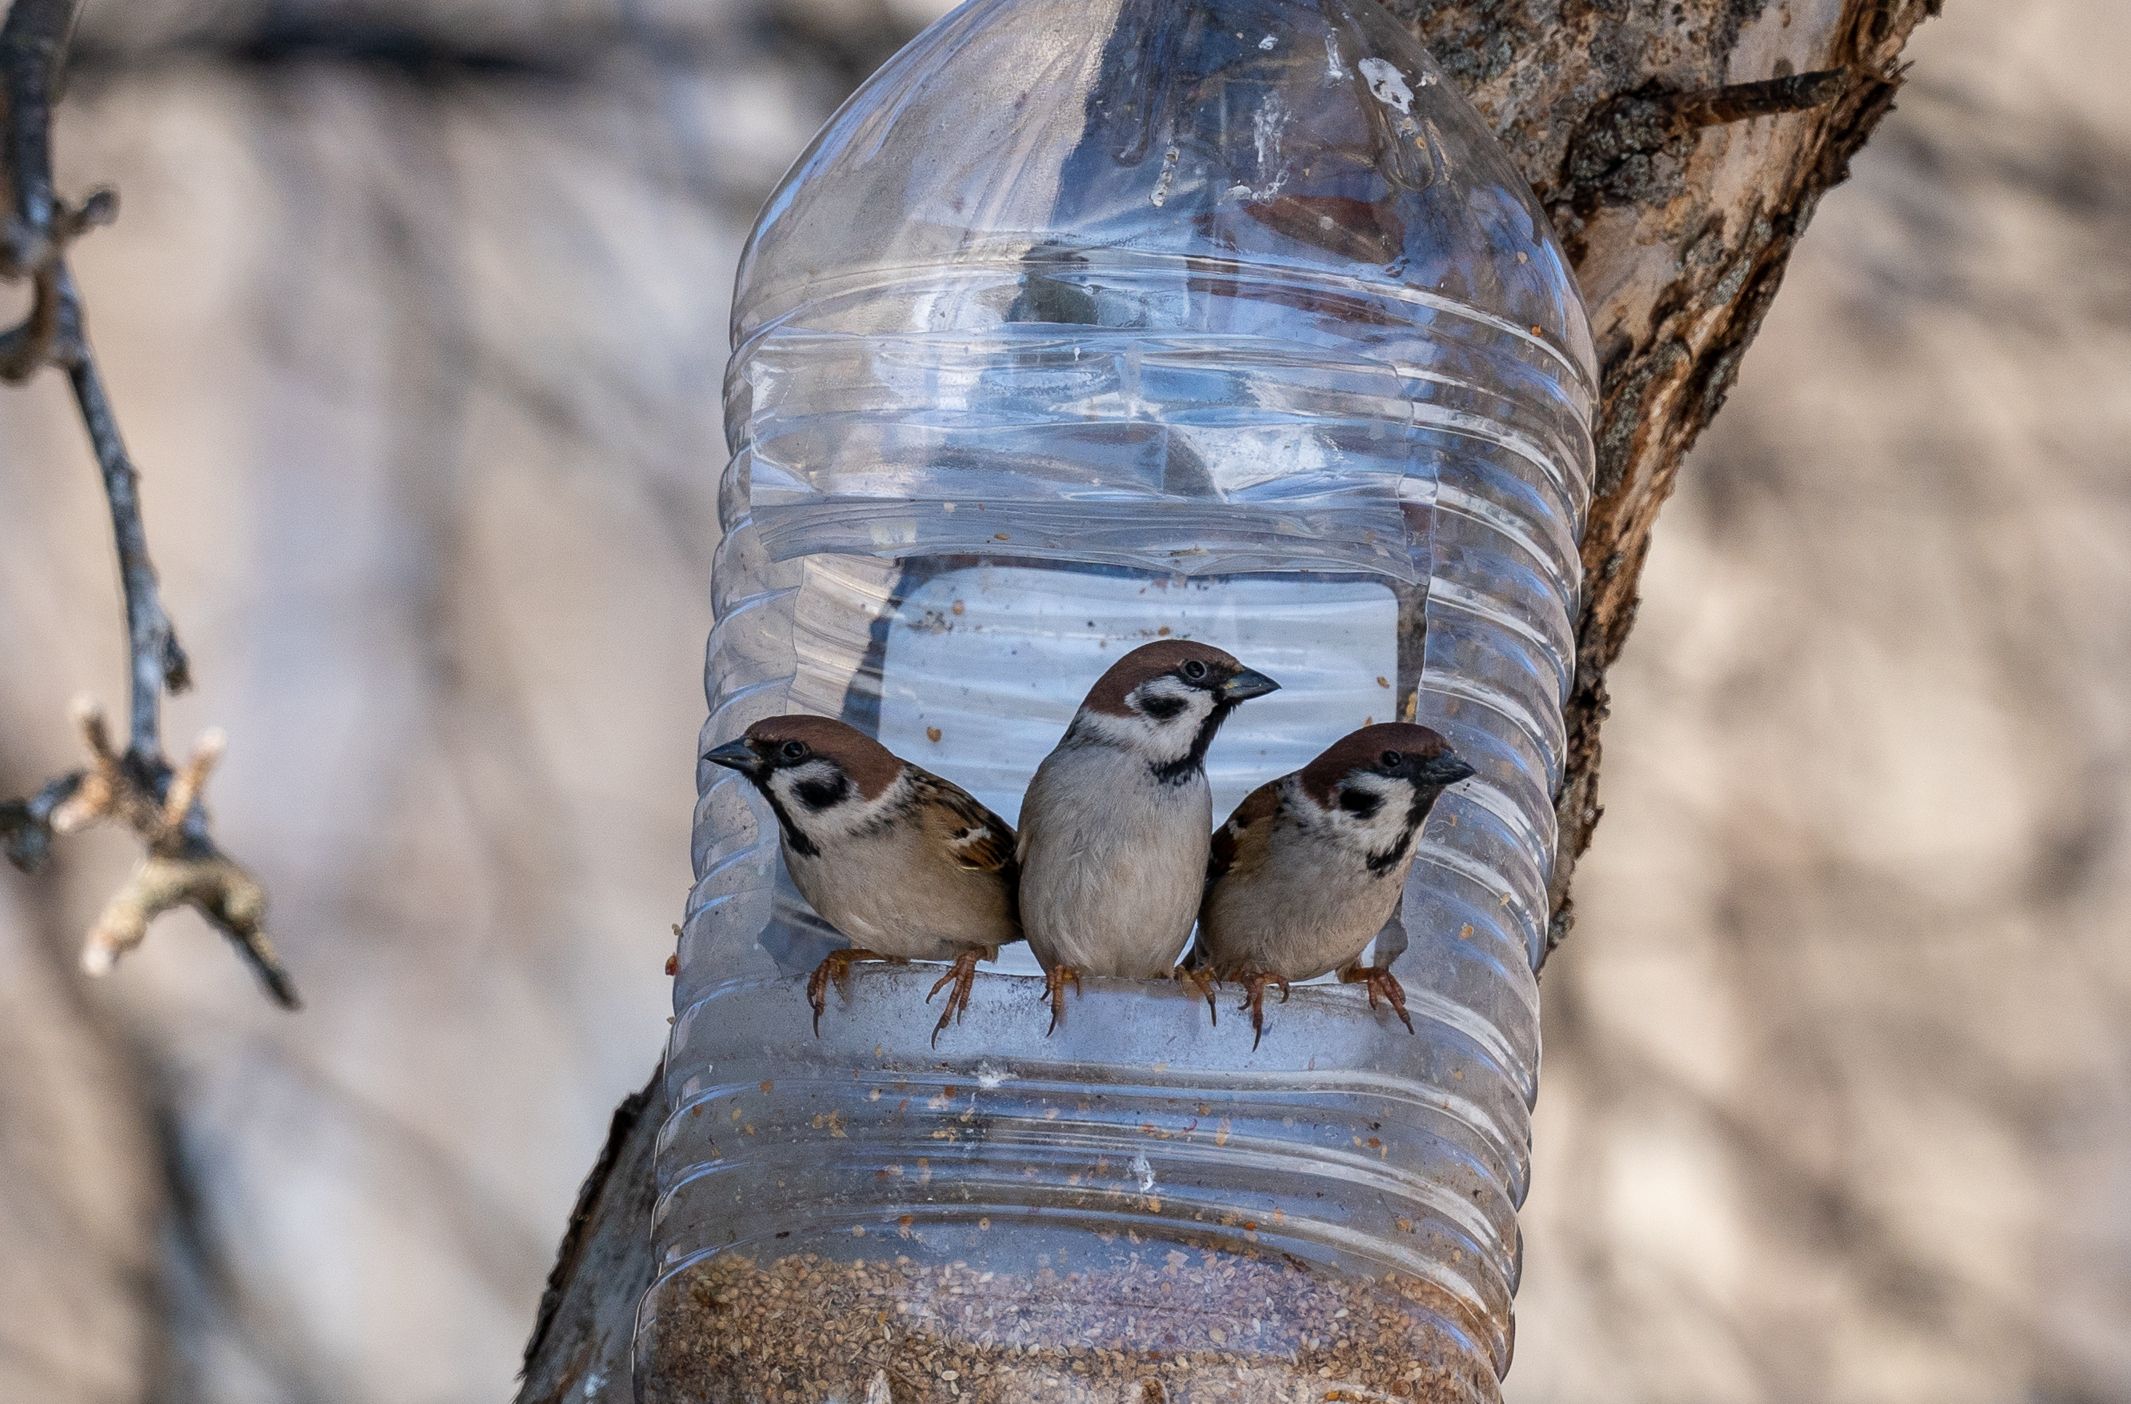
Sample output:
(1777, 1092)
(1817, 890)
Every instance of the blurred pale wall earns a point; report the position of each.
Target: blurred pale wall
(422, 363)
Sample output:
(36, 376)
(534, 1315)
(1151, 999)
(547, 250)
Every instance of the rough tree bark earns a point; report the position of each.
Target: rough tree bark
(1681, 147)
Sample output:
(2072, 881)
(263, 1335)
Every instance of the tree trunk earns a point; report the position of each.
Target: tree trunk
(1680, 146)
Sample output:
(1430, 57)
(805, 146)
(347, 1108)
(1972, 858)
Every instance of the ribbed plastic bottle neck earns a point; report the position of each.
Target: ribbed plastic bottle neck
(1166, 412)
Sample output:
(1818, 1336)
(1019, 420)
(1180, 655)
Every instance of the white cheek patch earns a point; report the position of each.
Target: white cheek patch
(853, 811)
(1133, 733)
(787, 781)
(1160, 738)
(1116, 731)
(1164, 698)
(1388, 824)
(1167, 715)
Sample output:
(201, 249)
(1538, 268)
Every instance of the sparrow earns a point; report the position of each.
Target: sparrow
(906, 865)
(1114, 826)
(1310, 866)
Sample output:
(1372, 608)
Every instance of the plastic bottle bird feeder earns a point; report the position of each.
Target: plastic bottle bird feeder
(1087, 322)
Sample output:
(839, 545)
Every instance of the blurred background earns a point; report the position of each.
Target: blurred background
(415, 318)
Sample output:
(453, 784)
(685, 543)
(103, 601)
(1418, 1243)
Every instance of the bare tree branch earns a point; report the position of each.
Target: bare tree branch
(136, 787)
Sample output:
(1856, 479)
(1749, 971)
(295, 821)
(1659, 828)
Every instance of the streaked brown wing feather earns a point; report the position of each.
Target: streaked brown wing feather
(1241, 842)
(979, 839)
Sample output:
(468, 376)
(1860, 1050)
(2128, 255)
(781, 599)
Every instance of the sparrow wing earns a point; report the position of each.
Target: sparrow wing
(976, 838)
(1240, 844)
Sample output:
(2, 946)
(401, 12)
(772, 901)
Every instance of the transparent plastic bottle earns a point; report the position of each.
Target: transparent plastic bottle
(1087, 322)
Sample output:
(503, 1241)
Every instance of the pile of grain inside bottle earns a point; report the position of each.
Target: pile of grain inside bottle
(1183, 1327)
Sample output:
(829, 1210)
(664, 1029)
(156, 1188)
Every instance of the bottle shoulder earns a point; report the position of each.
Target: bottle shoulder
(1079, 151)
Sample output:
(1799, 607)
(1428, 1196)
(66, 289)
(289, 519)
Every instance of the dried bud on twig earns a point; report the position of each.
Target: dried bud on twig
(182, 866)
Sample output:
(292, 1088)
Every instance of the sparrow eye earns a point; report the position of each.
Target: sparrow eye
(1390, 760)
(1194, 669)
(793, 750)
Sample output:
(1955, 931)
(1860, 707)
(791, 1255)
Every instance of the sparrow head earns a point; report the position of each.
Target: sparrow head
(822, 777)
(1375, 786)
(1167, 699)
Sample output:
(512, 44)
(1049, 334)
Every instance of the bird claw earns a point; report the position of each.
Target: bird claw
(1054, 982)
(1203, 982)
(1255, 983)
(835, 968)
(1381, 984)
(963, 976)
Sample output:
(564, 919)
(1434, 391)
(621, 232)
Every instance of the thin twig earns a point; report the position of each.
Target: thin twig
(26, 825)
(1770, 97)
(136, 787)
(158, 660)
(1610, 157)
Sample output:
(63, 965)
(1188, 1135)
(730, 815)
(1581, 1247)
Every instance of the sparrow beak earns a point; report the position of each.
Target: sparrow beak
(736, 755)
(1446, 769)
(1245, 685)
